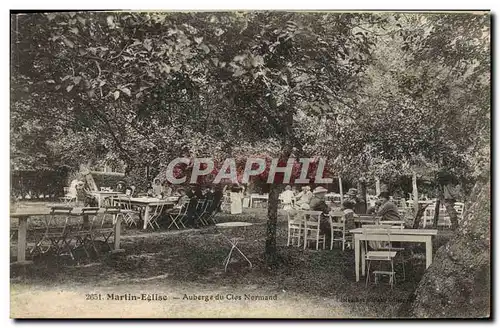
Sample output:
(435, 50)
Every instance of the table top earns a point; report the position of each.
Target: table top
(233, 224)
(21, 212)
(260, 196)
(108, 192)
(144, 200)
(399, 231)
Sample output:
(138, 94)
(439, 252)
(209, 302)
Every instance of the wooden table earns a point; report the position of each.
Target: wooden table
(146, 202)
(24, 214)
(101, 195)
(397, 234)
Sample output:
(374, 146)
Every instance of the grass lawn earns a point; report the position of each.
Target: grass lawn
(308, 283)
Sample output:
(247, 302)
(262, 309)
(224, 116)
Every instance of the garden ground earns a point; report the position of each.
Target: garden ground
(307, 283)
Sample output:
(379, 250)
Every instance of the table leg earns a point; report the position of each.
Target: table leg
(118, 230)
(356, 254)
(21, 239)
(363, 260)
(146, 217)
(428, 251)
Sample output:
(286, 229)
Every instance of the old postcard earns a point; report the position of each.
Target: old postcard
(250, 164)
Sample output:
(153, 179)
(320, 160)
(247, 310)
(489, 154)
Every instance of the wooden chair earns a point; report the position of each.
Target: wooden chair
(56, 231)
(295, 227)
(129, 213)
(339, 231)
(67, 198)
(178, 216)
(213, 212)
(155, 216)
(205, 211)
(385, 255)
(311, 220)
(103, 227)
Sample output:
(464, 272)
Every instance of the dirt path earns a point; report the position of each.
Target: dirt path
(28, 301)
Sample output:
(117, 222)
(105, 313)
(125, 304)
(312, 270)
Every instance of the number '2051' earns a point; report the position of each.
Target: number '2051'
(92, 297)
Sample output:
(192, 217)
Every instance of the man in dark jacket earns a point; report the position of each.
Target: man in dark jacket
(318, 204)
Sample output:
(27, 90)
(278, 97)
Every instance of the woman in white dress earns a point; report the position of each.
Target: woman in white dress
(287, 198)
(236, 196)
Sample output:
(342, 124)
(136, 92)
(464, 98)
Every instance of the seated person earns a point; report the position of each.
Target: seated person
(150, 192)
(349, 215)
(318, 204)
(287, 197)
(157, 188)
(191, 215)
(128, 191)
(387, 211)
(120, 186)
(304, 197)
(374, 209)
(183, 198)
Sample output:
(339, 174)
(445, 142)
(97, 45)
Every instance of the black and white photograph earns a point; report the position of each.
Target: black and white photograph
(284, 164)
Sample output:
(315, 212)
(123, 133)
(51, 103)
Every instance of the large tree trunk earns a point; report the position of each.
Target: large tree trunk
(272, 220)
(457, 284)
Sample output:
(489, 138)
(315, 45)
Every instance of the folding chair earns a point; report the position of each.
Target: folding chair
(81, 232)
(155, 215)
(67, 198)
(104, 227)
(55, 233)
(130, 215)
(295, 227)
(385, 255)
(205, 212)
(211, 216)
(177, 217)
(312, 221)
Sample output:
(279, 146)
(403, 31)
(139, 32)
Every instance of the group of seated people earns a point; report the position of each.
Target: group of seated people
(191, 196)
(384, 209)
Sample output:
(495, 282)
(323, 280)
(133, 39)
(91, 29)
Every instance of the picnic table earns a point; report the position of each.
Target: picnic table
(101, 195)
(24, 214)
(144, 202)
(397, 234)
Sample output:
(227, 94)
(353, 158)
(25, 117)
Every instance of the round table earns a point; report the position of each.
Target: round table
(233, 241)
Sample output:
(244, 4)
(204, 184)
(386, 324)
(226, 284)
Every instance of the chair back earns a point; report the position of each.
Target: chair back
(200, 205)
(61, 210)
(158, 210)
(66, 190)
(377, 230)
(311, 218)
(90, 210)
(208, 205)
(294, 221)
(394, 224)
